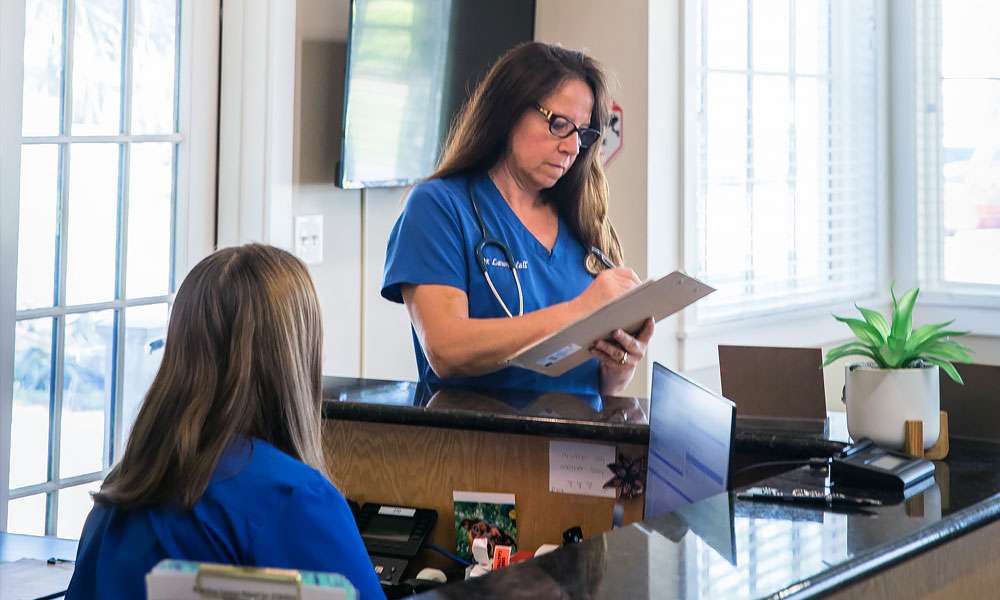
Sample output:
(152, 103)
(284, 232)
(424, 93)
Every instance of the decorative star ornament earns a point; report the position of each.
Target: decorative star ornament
(629, 477)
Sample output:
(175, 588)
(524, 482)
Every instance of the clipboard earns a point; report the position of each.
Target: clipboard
(569, 347)
(182, 580)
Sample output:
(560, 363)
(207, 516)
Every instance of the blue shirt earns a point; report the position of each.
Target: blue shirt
(434, 242)
(262, 508)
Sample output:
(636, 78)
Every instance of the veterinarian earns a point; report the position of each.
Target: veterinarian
(509, 240)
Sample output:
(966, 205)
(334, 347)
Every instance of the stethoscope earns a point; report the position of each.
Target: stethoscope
(482, 260)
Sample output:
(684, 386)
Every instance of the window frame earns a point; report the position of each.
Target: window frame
(796, 326)
(195, 159)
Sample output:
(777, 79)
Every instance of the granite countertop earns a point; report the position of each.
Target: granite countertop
(593, 417)
(723, 547)
(720, 547)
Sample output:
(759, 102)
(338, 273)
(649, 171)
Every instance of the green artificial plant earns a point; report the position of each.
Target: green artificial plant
(898, 345)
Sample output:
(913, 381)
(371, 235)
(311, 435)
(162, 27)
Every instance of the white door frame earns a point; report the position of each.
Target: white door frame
(256, 122)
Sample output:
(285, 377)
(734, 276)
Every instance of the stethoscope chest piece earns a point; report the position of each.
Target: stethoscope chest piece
(483, 262)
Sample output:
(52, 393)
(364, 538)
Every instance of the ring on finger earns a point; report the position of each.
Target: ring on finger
(624, 357)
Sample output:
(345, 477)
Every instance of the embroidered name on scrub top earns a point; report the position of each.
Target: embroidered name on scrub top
(499, 262)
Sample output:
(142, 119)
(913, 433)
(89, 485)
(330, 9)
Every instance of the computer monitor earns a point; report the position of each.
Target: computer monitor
(690, 442)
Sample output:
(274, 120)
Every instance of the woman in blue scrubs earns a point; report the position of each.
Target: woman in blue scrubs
(225, 461)
(521, 171)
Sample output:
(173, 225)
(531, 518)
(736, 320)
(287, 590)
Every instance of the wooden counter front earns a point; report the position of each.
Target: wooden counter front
(421, 466)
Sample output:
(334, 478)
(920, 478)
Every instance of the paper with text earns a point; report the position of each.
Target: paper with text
(577, 468)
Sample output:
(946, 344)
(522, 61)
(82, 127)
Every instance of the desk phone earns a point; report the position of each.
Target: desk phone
(865, 465)
(393, 535)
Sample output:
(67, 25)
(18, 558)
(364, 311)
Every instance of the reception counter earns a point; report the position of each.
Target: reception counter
(402, 443)
(398, 443)
(942, 542)
(394, 442)
(601, 419)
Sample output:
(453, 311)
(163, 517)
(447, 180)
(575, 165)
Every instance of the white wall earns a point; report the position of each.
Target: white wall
(365, 335)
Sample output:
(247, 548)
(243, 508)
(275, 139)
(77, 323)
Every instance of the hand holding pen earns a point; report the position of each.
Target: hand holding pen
(602, 257)
(606, 286)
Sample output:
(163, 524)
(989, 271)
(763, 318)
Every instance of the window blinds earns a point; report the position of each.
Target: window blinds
(957, 77)
(785, 119)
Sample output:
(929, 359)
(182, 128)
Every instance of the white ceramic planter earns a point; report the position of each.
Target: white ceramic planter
(880, 401)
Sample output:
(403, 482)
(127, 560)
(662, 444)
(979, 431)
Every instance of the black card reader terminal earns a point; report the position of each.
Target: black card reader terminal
(865, 465)
(393, 535)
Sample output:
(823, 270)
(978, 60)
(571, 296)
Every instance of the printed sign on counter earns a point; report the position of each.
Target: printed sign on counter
(578, 468)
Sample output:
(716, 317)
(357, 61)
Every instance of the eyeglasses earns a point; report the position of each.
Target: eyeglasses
(562, 127)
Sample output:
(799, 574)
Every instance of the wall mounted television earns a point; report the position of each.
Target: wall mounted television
(411, 64)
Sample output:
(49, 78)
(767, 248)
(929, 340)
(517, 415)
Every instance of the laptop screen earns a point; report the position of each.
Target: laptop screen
(690, 442)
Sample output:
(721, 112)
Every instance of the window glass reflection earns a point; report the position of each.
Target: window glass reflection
(87, 380)
(154, 54)
(27, 515)
(97, 66)
(145, 336)
(74, 506)
(43, 67)
(29, 430)
(93, 218)
(37, 225)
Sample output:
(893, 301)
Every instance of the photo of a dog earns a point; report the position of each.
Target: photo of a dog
(487, 516)
(480, 528)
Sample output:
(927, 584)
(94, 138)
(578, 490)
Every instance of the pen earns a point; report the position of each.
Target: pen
(806, 496)
(603, 257)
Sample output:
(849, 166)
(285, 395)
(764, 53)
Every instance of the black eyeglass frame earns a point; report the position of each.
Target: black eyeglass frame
(581, 132)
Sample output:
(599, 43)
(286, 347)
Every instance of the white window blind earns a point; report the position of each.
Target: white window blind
(784, 113)
(958, 145)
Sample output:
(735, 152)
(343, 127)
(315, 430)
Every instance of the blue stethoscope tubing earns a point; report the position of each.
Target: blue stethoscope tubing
(481, 260)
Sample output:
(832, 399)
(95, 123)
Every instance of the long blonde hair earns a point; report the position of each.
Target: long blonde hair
(479, 136)
(242, 358)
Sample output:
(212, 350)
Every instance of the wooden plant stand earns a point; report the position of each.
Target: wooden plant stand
(914, 440)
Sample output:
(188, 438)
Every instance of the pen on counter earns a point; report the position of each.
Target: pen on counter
(806, 496)
(602, 256)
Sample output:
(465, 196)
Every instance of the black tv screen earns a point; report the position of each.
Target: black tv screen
(411, 64)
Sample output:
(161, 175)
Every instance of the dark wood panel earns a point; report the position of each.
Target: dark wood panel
(968, 567)
(422, 466)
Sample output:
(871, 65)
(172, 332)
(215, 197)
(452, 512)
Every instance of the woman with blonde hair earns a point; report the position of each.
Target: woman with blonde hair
(510, 240)
(225, 462)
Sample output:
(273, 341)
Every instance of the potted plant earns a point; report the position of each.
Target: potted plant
(899, 382)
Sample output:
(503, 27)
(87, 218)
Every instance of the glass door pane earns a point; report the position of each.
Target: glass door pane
(27, 515)
(74, 506)
(38, 224)
(93, 223)
(97, 67)
(154, 66)
(88, 373)
(43, 67)
(29, 439)
(150, 214)
(145, 336)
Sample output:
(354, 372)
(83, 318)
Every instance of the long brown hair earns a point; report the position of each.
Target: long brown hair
(479, 136)
(242, 358)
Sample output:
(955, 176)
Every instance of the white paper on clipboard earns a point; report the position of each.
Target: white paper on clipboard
(570, 346)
